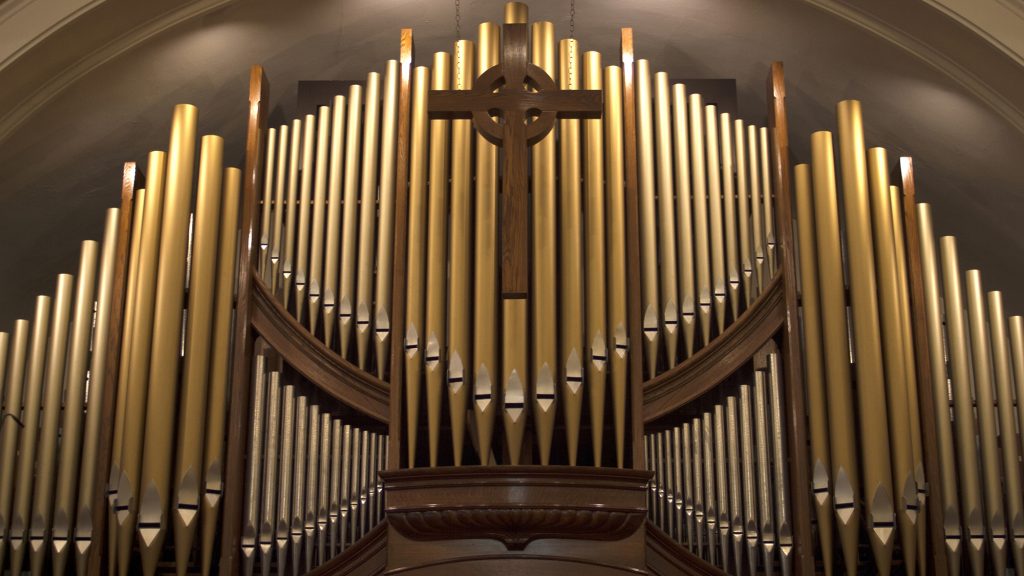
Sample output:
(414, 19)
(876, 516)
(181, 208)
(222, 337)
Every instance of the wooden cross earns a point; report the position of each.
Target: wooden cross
(503, 91)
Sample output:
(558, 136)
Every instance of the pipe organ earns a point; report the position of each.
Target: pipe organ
(516, 306)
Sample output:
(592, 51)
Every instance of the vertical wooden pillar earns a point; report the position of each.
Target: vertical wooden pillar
(800, 482)
(633, 313)
(929, 434)
(239, 412)
(398, 287)
(132, 179)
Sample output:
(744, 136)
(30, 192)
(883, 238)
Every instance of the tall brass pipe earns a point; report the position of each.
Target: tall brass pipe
(814, 363)
(220, 366)
(63, 506)
(157, 461)
(329, 294)
(732, 263)
(715, 208)
(613, 164)
(309, 137)
(722, 486)
(282, 519)
(460, 355)
(316, 252)
(981, 358)
(14, 391)
(83, 478)
(324, 485)
(666, 226)
(894, 357)
(595, 252)
(732, 434)
(940, 391)
(699, 512)
(358, 486)
(684, 217)
(437, 258)
(290, 234)
(264, 526)
(747, 279)
(871, 390)
(386, 235)
(266, 202)
(688, 490)
(701, 245)
(710, 489)
(312, 494)
(516, 13)
(349, 219)
(765, 481)
(253, 472)
(298, 493)
(513, 361)
(188, 479)
(1010, 445)
(972, 512)
(136, 380)
(280, 176)
(32, 396)
(1017, 355)
(769, 201)
(544, 284)
(417, 263)
(756, 210)
(40, 489)
(485, 265)
(678, 514)
(367, 217)
(783, 525)
(653, 321)
(571, 242)
(334, 505)
(347, 449)
(842, 478)
(747, 456)
(670, 492)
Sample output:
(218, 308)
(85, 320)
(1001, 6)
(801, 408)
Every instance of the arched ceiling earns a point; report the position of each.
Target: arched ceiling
(91, 83)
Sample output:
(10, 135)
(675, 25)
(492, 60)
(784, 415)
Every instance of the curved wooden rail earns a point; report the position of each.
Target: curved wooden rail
(319, 364)
(714, 363)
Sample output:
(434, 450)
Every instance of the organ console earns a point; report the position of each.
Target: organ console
(335, 357)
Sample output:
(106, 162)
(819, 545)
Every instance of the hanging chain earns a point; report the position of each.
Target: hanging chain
(572, 18)
(458, 19)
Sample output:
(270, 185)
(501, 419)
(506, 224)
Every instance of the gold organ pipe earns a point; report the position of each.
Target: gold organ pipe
(544, 287)
(516, 13)
(732, 266)
(349, 221)
(485, 265)
(282, 523)
(666, 226)
(86, 484)
(386, 235)
(684, 215)
(280, 176)
(596, 292)
(136, 380)
(756, 210)
(743, 213)
(871, 393)
(220, 365)
(269, 178)
(514, 358)
(648, 219)
(1010, 449)
(264, 527)
(9, 430)
(17, 533)
(158, 451)
(747, 456)
(416, 272)
(298, 493)
(616, 253)
(188, 481)
(814, 363)
(63, 507)
(37, 521)
(985, 409)
(765, 483)
(710, 500)
(687, 471)
(459, 257)
(732, 433)
(437, 258)
(894, 359)
(766, 196)
(334, 502)
(699, 513)
(844, 474)
(701, 248)
(5, 340)
(1017, 355)
(367, 217)
(316, 259)
(305, 202)
(347, 448)
(718, 279)
(312, 475)
(670, 495)
(290, 234)
(963, 406)
(571, 272)
(329, 294)
(721, 485)
(940, 391)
